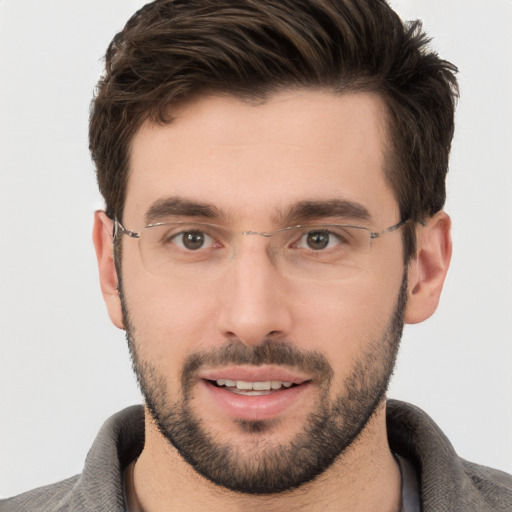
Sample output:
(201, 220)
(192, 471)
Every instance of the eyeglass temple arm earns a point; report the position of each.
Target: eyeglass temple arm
(395, 227)
(119, 228)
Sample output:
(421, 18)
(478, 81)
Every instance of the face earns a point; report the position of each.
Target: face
(208, 344)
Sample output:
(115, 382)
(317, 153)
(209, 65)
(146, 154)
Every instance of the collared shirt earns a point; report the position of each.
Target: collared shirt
(410, 489)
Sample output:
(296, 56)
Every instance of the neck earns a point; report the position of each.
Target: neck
(365, 477)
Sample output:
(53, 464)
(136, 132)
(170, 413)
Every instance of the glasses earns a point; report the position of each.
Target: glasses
(198, 251)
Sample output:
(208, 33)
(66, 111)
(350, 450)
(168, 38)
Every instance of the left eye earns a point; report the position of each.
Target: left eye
(192, 240)
(318, 240)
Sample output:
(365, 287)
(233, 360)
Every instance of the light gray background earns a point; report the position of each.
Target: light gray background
(64, 369)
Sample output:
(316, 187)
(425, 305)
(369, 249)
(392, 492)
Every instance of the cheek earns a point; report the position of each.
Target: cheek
(342, 321)
(168, 322)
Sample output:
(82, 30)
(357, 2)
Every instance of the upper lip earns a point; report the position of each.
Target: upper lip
(254, 374)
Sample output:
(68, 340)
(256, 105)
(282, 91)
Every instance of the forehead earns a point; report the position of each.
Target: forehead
(253, 160)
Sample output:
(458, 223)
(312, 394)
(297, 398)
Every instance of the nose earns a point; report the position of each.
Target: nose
(256, 300)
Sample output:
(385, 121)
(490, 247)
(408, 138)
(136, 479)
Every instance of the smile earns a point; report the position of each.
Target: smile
(254, 400)
(248, 388)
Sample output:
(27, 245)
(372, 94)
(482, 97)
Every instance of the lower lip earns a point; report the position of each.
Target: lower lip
(255, 407)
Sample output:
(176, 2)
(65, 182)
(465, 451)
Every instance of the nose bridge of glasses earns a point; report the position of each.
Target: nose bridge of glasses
(271, 248)
(260, 233)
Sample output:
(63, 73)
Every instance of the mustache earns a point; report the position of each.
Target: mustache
(268, 352)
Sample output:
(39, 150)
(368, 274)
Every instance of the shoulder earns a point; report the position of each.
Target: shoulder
(50, 498)
(99, 486)
(494, 486)
(446, 481)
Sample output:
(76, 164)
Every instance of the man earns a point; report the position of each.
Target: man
(274, 181)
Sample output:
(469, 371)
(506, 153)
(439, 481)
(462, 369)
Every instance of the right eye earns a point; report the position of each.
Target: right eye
(192, 240)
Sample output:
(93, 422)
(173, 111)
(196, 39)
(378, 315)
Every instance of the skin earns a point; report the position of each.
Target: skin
(251, 161)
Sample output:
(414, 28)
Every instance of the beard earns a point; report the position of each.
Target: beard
(270, 467)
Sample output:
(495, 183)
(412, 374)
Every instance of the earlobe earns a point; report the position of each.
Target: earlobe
(427, 272)
(102, 238)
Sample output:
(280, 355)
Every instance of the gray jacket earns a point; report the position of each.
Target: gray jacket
(447, 482)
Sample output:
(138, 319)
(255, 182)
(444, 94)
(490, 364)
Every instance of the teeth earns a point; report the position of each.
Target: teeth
(226, 382)
(256, 386)
(261, 386)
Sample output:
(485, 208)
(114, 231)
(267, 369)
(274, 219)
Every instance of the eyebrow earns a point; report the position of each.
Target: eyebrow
(179, 207)
(314, 210)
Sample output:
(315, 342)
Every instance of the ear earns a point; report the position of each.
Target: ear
(102, 236)
(427, 272)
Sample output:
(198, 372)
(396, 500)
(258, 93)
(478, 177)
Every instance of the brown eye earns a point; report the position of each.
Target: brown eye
(318, 240)
(192, 240)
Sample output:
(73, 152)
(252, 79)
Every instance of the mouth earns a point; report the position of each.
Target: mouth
(254, 393)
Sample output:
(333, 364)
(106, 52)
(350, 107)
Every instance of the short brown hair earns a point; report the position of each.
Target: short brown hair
(172, 50)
